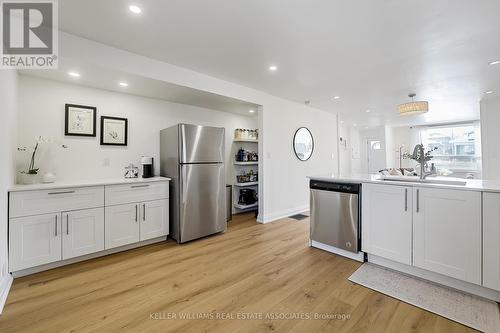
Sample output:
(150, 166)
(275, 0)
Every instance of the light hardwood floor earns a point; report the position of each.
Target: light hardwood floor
(267, 270)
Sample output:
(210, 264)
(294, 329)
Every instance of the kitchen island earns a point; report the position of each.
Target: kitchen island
(440, 229)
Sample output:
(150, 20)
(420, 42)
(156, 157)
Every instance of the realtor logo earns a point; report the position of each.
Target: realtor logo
(29, 34)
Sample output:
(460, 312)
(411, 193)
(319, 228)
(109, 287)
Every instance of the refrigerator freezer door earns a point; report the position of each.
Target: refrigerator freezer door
(202, 204)
(201, 144)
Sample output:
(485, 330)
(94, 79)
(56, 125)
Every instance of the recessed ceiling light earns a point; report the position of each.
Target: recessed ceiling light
(273, 68)
(496, 62)
(123, 84)
(489, 92)
(74, 74)
(368, 111)
(354, 125)
(251, 111)
(135, 9)
(336, 97)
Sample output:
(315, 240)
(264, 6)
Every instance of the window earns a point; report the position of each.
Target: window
(375, 144)
(457, 146)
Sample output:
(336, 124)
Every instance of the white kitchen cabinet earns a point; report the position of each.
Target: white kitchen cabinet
(122, 225)
(50, 224)
(387, 221)
(82, 232)
(491, 240)
(27, 203)
(133, 193)
(154, 221)
(34, 240)
(447, 232)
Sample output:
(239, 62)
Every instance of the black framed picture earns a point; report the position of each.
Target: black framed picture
(80, 120)
(114, 131)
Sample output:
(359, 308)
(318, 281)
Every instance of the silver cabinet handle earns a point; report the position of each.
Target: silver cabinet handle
(144, 212)
(67, 224)
(55, 224)
(406, 199)
(418, 200)
(65, 192)
(136, 209)
(138, 186)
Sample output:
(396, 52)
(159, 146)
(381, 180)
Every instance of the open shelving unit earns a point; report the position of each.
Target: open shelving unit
(246, 163)
(245, 207)
(245, 140)
(252, 145)
(246, 184)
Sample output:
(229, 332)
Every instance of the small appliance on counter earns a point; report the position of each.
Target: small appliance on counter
(147, 167)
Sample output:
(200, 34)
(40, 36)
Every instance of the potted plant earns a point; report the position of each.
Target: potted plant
(31, 174)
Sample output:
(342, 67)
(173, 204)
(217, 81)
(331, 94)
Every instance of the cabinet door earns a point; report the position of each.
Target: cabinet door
(387, 221)
(154, 219)
(447, 232)
(121, 225)
(491, 240)
(34, 240)
(83, 232)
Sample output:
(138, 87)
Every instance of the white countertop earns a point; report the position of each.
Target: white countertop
(85, 183)
(471, 184)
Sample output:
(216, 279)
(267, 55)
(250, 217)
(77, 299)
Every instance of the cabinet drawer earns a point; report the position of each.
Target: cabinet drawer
(27, 203)
(130, 193)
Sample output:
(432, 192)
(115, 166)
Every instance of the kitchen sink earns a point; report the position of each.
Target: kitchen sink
(430, 180)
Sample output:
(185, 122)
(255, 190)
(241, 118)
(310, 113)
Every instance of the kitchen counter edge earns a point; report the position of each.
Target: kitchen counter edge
(472, 184)
(104, 182)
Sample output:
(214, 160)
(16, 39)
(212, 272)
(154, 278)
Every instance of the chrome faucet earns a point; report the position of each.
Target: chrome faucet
(419, 155)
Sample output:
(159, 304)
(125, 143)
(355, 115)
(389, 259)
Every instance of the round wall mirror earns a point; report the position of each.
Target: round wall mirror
(303, 144)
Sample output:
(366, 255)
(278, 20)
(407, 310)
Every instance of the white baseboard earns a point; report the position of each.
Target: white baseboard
(360, 256)
(4, 290)
(437, 278)
(282, 214)
(60, 263)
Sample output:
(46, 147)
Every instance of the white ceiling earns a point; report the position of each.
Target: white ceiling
(371, 53)
(103, 78)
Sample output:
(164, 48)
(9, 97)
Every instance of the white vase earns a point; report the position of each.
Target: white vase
(27, 178)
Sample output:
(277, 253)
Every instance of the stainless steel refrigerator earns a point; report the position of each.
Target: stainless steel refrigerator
(193, 156)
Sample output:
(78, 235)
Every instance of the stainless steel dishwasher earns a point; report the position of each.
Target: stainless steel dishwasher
(335, 218)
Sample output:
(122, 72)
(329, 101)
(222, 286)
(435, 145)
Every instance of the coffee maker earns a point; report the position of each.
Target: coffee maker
(147, 167)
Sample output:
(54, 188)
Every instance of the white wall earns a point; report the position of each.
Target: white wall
(41, 113)
(390, 155)
(285, 182)
(8, 99)
(490, 136)
(282, 176)
(345, 151)
(402, 136)
(356, 163)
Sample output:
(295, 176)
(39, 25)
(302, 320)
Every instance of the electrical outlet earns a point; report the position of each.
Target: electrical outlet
(106, 162)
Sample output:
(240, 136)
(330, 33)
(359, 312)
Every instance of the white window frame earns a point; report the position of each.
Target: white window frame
(477, 131)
